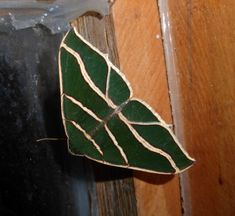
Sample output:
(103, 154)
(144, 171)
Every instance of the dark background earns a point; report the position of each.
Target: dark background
(42, 178)
(36, 178)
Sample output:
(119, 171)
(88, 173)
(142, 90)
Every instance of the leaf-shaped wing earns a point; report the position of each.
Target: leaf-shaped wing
(155, 133)
(104, 122)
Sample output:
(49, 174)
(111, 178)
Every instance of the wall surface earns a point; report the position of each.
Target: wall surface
(204, 49)
(202, 86)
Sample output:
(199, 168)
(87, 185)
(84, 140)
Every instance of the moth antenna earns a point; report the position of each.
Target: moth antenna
(49, 139)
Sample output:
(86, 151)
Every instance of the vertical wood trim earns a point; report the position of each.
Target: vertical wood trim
(139, 42)
(173, 82)
(114, 186)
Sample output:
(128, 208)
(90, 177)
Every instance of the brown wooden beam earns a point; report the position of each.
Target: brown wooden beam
(114, 186)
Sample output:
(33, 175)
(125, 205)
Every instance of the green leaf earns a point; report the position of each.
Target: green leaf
(104, 122)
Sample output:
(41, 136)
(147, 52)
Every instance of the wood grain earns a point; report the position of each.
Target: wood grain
(139, 43)
(114, 186)
(204, 48)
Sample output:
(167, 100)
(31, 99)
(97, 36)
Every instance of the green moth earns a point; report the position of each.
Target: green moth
(102, 119)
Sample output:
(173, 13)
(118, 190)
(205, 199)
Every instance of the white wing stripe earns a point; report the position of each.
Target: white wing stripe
(87, 136)
(86, 76)
(163, 124)
(146, 144)
(109, 63)
(116, 144)
(73, 100)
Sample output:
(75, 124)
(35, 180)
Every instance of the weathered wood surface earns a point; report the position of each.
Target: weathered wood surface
(114, 186)
(204, 48)
(140, 50)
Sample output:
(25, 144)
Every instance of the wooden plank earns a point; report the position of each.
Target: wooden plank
(204, 49)
(139, 43)
(114, 186)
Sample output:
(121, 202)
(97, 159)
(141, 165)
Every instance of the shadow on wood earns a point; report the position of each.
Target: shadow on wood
(151, 178)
